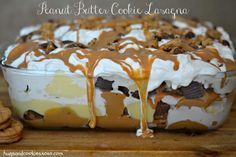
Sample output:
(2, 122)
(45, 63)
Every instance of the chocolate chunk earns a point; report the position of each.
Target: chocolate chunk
(189, 35)
(221, 65)
(51, 46)
(23, 39)
(125, 112)
(76, 45)
(104, 84)
(225, 43)
(121, 34)
(153, 92)
(48, 47)
(93, 41)
(72, 44)
(158, 38)
(179, 92)
(67, 42)
(161, 111)
(26, 37)
(194, 46)
(177, 51)
(168, 36)
(193, 91)
(32, 115)
(124, 90)
(135, 94)
(43, 45)
(111, 47)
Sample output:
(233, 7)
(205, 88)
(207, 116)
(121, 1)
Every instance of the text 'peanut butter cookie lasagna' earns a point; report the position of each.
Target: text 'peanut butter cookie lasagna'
(122, 73)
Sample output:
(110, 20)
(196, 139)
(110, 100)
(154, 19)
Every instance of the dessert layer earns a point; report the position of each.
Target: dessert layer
(149, 51)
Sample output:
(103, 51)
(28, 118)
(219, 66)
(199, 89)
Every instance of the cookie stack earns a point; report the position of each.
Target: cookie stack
(10, 129)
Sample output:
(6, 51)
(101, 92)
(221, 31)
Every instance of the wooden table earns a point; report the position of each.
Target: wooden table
(104, 143)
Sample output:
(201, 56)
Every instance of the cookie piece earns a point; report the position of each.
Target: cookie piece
(5, 114)
(32, 115)
(124, 90)
(13, 133)
(48, 47)
(104, 84)
(11, 140)
(189, 35)
(161, 112)
(5, 124)
(225, 43)
(72, 44)
(135, 94)
(193, 91)
(125, 112)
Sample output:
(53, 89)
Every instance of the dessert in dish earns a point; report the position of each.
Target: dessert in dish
(122, 73)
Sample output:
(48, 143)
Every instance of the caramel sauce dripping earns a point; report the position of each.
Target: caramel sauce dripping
(114, 118)
(18, 51)
(223, 81)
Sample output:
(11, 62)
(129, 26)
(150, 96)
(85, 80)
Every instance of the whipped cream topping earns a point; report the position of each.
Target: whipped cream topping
(84, 36)
(136, 33)
(29, 29)
(199, 30)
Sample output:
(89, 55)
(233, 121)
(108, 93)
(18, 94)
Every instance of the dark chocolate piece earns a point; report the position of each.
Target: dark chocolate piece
(32, 115)
(158, 38)
(124, 90)
(189, 35)
(104, 84)
(225, 43)
(135, 94)
(153, 92)
(193, 91)
(177, 51)
(72, 44)
(161, 111)
(194, 46)
(125, 112)
(48, 47)
(168, 36)
(67, 42)
(26, 37)
(43, 45)
(23, 39)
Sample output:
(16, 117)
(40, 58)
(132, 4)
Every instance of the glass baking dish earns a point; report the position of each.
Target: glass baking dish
(46, 99)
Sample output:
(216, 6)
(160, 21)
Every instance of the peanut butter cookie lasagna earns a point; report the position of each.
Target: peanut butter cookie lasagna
(122, 73)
